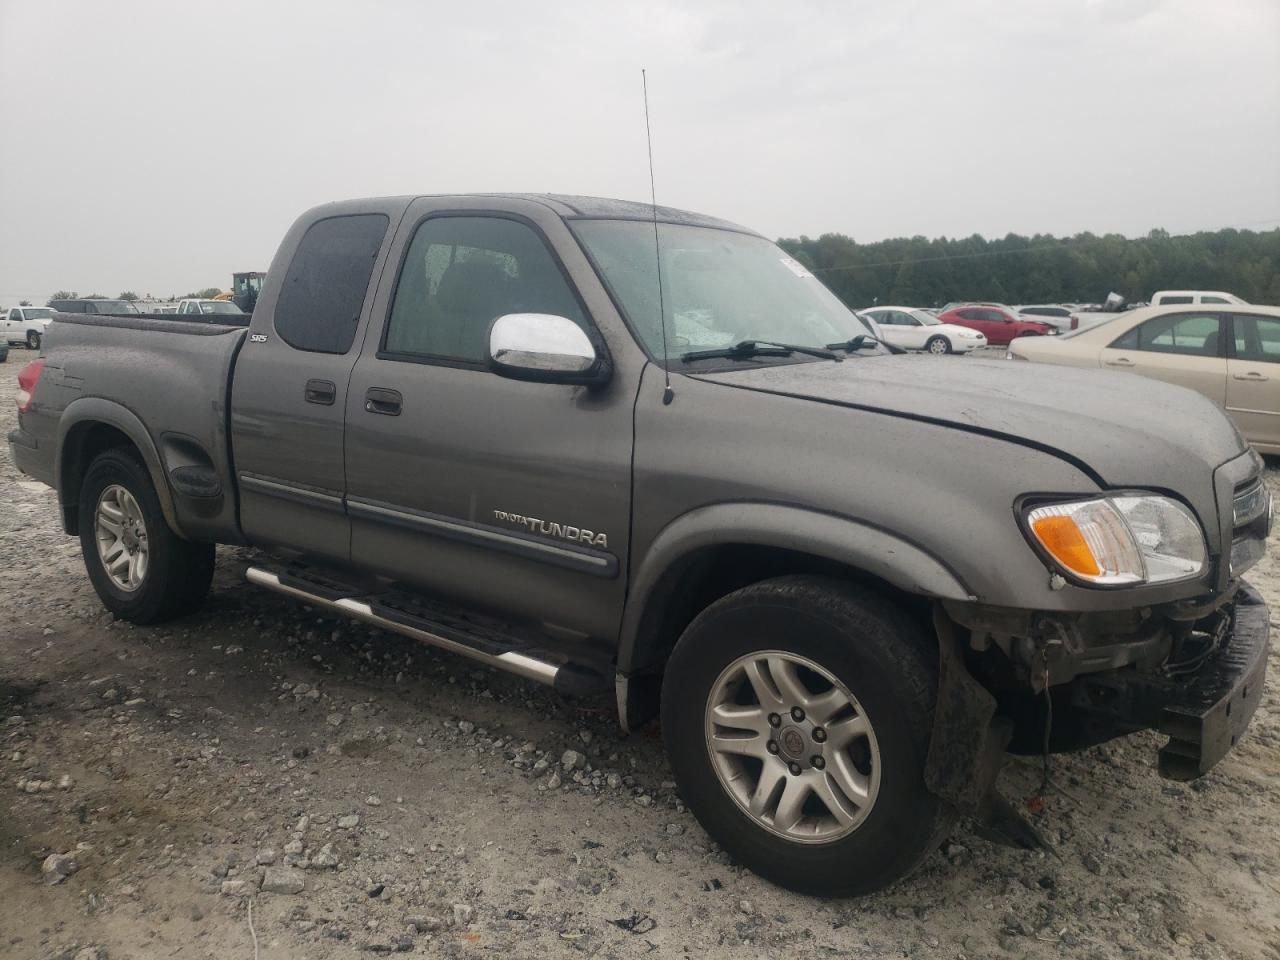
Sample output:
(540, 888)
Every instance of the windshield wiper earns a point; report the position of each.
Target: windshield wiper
(862, 340)
(745, 349)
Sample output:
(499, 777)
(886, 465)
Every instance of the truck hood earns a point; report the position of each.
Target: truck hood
(1122, 429)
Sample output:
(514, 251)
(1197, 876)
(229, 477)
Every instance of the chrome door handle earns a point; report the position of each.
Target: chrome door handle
(1120, 362)
(1251, 375)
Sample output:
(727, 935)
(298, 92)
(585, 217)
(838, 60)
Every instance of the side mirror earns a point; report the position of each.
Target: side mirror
(544, 348)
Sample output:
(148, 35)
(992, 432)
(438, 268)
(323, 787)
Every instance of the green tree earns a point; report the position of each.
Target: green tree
(62, 295)
(128, 295)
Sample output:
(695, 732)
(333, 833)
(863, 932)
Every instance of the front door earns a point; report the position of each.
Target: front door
(290, 385)
(1253, 379)
(1187, 349)
(500, 494)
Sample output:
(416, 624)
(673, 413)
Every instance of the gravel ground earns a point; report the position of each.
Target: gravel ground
(258, 771)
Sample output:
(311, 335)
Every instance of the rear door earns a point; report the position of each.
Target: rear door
(1188, 349)
(500, 494)
(1253, 378)
(289, 390)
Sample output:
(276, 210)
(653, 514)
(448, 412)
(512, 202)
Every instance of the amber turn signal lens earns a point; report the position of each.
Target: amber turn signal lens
(1066, 544)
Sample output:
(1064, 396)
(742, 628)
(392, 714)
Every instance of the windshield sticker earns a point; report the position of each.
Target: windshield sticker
(795, 266)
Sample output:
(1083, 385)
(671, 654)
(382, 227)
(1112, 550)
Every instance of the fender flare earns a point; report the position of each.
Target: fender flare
(113, 414)
(842, 539)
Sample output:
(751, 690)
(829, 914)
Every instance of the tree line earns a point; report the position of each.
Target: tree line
(918, 271)
(208, 293)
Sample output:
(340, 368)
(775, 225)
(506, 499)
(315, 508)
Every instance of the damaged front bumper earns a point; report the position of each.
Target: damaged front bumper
(1203, 712)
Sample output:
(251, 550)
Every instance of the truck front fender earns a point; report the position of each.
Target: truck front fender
(77, 419)
(841, 539)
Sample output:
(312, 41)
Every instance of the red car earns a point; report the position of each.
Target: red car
(1000, 324)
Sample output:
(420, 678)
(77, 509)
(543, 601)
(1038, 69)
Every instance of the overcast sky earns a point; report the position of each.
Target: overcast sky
(161, 146)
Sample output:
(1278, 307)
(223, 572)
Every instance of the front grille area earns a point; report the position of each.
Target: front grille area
(1251, 522)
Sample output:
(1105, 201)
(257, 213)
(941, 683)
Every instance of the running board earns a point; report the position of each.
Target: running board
(567, 677)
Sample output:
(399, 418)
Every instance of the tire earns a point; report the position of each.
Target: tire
(173, 575)
(938, 345)
(33, 339)
(884, 660)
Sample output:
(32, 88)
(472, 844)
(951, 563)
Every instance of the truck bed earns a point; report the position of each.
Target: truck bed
(179, 372)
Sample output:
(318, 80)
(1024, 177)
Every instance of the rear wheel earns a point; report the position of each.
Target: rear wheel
(142, 571)
(33, 340)
(796, 713)
(938, 345)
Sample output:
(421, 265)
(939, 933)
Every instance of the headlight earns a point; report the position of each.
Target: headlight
(1121, 540)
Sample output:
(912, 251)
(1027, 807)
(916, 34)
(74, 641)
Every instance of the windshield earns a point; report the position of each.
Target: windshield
(36, 313)
(114, 308)
(219, 306)
(719, 288)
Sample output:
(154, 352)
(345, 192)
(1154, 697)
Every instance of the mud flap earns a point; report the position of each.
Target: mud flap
(967, 747)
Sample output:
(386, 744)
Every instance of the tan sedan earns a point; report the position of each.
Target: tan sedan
(1231, 354)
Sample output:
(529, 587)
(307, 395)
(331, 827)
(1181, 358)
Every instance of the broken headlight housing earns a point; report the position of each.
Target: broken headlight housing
(1120, 540)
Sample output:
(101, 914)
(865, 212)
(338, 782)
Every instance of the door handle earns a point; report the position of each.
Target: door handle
(323, 392)
(1251, 375)
(384, 401)
(1120, 362)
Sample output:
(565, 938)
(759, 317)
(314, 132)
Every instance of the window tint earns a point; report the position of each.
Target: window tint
(462, 273)
(905, 319)
(1187, 334)
(969, 314)
(1257, 338)
(1214, 300)
(319, 305)
(993, 316)
(1170, 301)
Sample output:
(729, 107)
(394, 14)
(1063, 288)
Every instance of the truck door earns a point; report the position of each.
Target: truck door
(288, 395)
(505, 495)
(1253, 378)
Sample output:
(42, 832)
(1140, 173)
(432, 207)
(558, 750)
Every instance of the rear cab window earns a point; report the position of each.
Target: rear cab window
(324, 288)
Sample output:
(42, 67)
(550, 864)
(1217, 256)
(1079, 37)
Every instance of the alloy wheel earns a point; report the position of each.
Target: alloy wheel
(792, 746)
(121, 534)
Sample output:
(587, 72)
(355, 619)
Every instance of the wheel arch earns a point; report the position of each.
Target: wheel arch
(714, 550)
(90, 426)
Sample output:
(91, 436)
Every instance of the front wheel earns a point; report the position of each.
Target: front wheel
(142, 571)
(796, 714)
(938, 345)
(33, 340)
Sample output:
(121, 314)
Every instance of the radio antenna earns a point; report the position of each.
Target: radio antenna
(667, 393)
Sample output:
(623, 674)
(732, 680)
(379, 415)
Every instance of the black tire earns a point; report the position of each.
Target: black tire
(33, 340)
(178, 571)
(889, 664)
(931, 345)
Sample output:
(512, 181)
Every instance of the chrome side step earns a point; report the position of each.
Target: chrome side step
(567, 678)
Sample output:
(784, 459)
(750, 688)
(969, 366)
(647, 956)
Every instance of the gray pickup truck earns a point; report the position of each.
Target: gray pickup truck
(849, 582)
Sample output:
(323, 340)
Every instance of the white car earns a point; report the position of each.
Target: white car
(205, 308)
(26, 325)
(1054, 314)
(1170, 298)
(914, 329)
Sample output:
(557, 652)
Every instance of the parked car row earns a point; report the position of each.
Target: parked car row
(959, 328)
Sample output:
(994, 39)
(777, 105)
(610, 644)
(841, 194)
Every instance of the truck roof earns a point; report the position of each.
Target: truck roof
(572, 207)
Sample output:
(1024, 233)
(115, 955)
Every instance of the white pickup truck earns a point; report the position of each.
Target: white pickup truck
(200, 307)
(26, 325)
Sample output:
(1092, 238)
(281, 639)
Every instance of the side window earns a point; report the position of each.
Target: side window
(462, 273)
(994, 316)
(1214, 300)
(968, 314)
(1186, 334)
(1257, 338)
(1174, 301)
(325, 286)
(906, 319)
